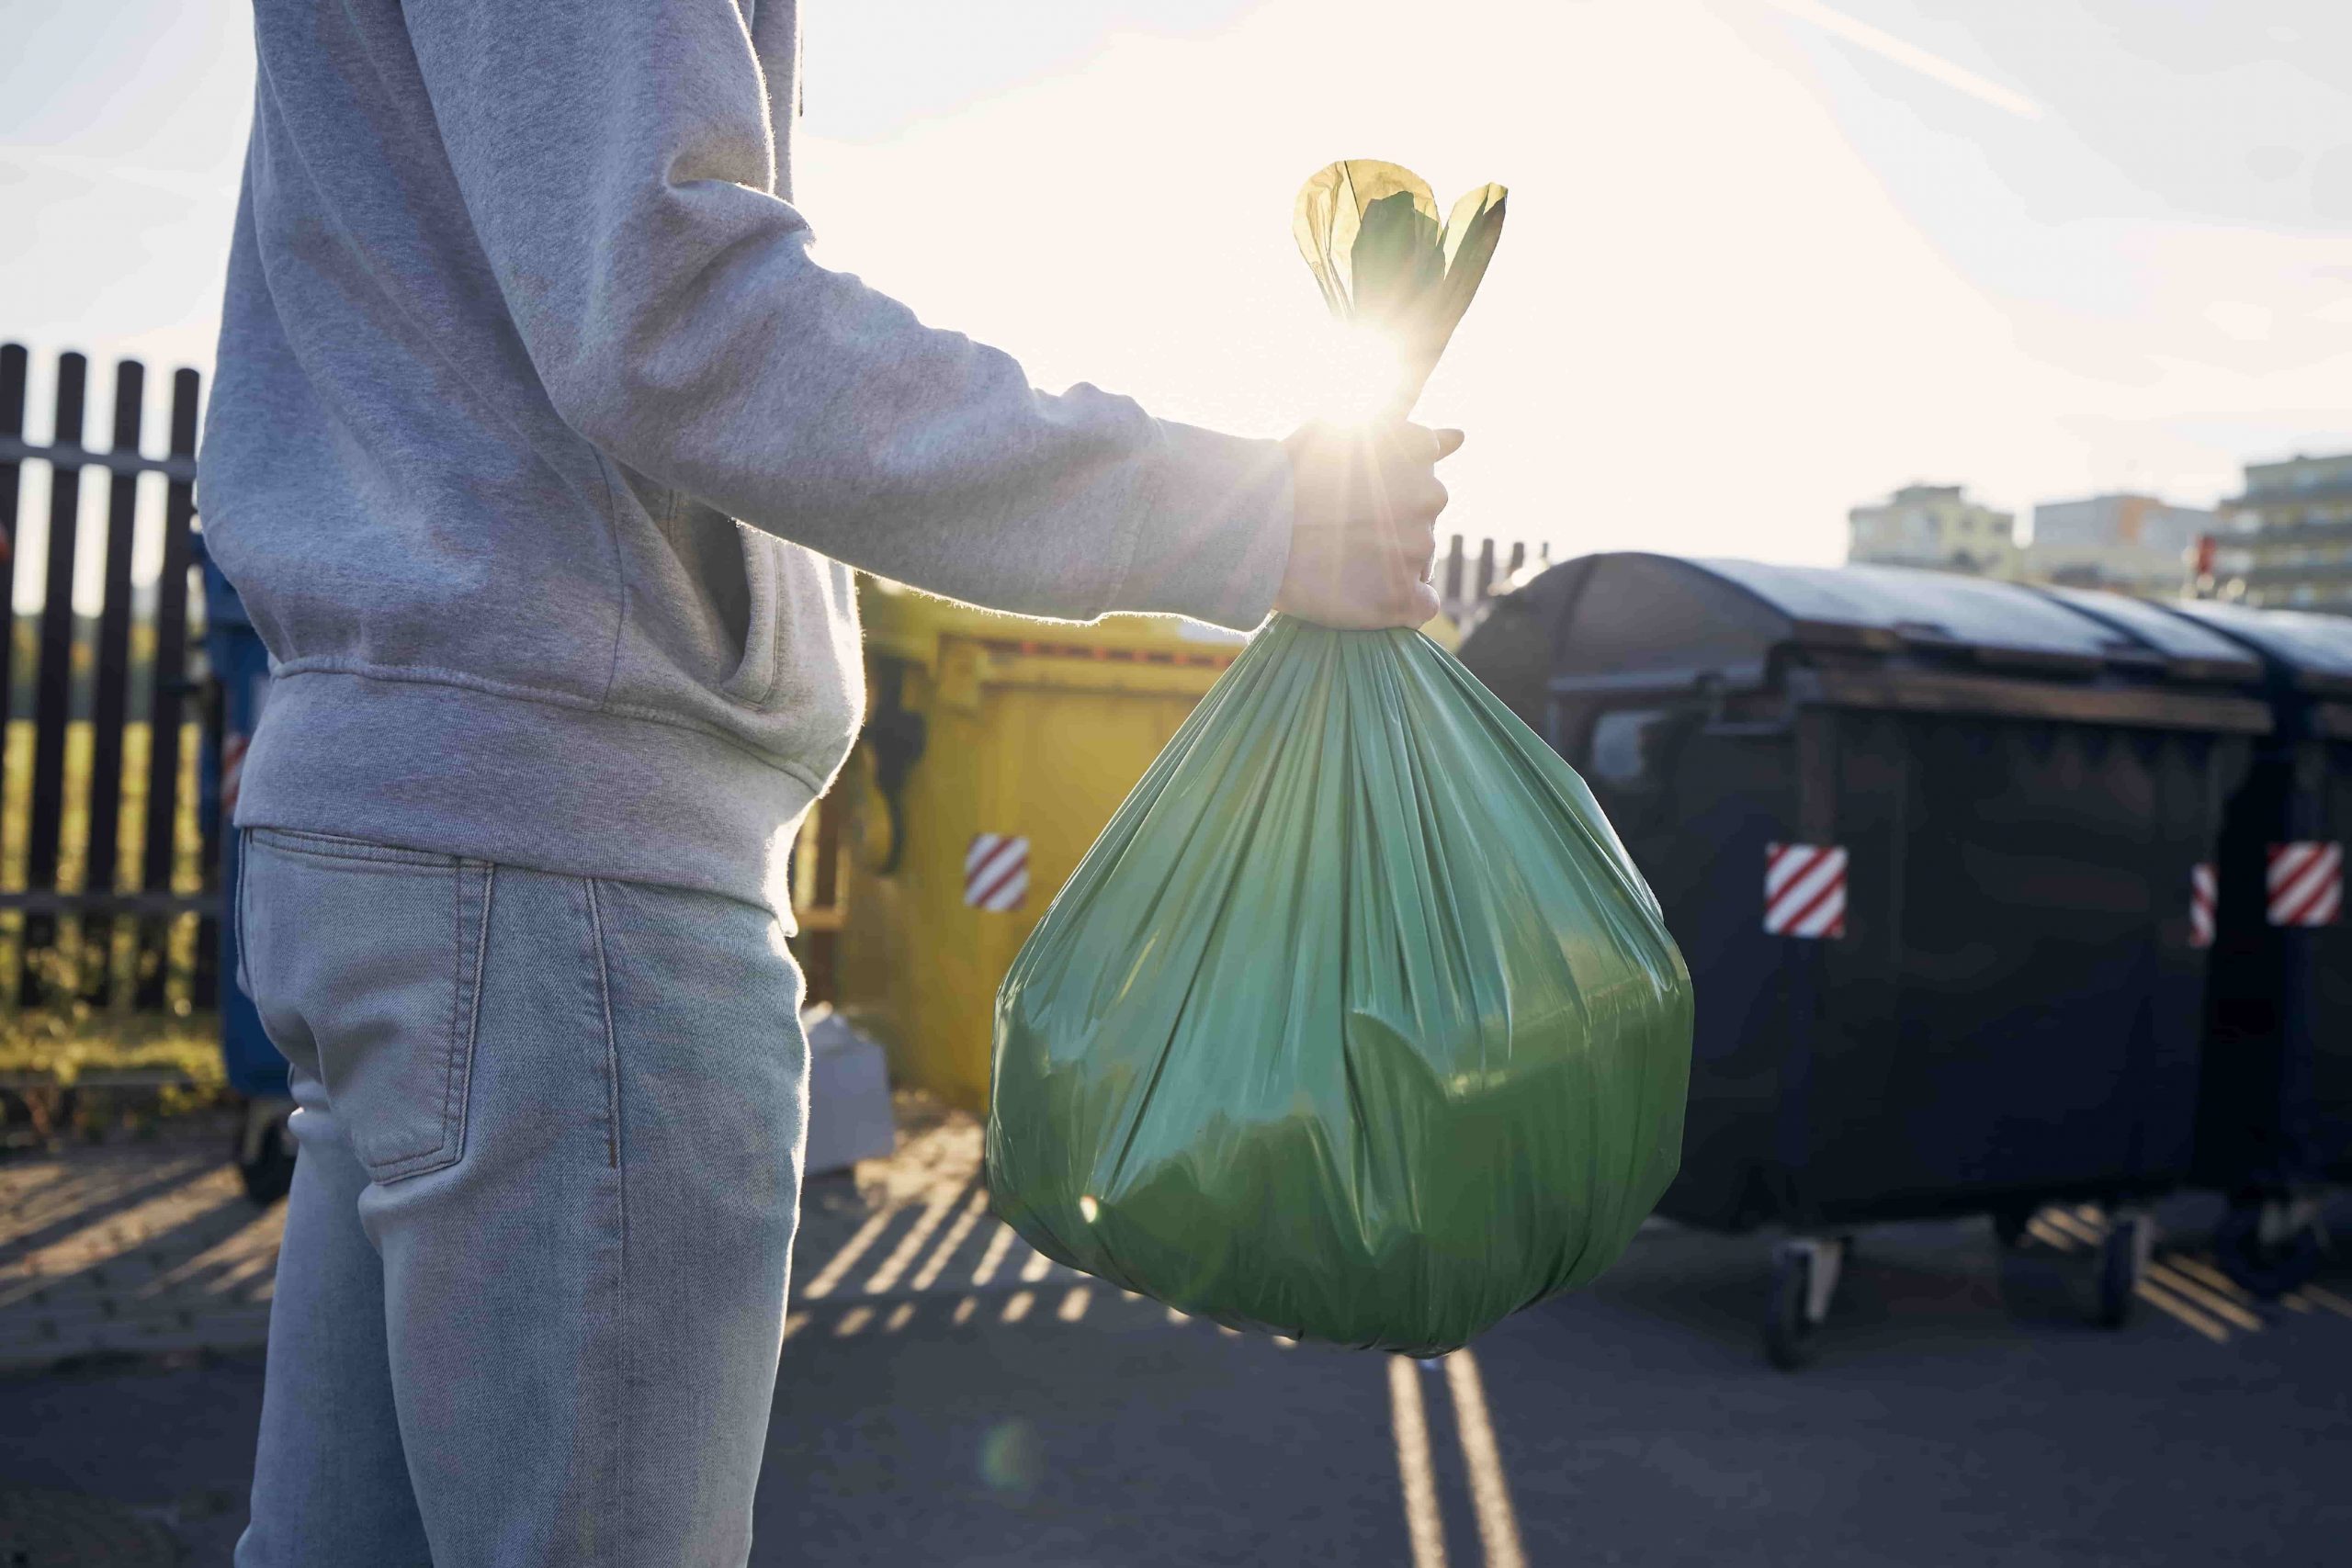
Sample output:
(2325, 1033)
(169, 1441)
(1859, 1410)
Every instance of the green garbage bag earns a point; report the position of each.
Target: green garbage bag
(1357, 1024)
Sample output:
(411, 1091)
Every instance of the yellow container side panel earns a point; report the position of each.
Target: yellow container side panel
(1041, 761)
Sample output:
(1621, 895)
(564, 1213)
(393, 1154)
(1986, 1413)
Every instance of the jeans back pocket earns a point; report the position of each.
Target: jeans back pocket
(365, 962)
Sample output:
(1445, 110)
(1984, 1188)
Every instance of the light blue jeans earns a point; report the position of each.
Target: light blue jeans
(532, 1288)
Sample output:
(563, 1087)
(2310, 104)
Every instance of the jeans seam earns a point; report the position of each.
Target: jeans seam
(457, 1003)
(457, 1100)
(620, 1184)
(245, 975)
(611, 1044)
(465, 1023)
(324, 846)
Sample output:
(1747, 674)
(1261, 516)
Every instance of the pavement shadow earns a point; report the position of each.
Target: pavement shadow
(22, 1243)
(176, 1275)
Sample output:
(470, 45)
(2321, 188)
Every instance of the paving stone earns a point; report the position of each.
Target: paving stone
(40, 1529)
(141, 1249)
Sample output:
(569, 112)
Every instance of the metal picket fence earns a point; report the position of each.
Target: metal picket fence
(1465, 585)
(109, 861)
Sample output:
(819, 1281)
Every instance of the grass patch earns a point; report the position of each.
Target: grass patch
(100, 1076)
(58, 1048)
(107, 960)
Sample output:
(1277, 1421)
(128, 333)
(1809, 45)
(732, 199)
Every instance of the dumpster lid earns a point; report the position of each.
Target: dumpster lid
(2183, 647)
(2314, 651)
(1871, 637)
(1893, 607)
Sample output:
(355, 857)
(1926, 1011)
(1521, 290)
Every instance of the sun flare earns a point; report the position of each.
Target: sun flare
(1358, 374)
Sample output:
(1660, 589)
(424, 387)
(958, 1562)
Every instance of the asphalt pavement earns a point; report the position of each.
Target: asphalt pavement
(948, 1397)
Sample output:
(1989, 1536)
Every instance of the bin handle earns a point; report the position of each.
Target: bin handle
(1718, 695)
(896, 738)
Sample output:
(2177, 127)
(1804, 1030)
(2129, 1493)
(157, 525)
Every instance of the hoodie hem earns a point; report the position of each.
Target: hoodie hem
(460, 770)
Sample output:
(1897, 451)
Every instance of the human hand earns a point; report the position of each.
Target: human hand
(1363, 526)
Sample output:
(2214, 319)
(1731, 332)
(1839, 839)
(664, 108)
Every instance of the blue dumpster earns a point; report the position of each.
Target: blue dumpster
(264, 1151)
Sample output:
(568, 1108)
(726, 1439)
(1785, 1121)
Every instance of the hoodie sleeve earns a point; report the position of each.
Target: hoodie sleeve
(615, 161)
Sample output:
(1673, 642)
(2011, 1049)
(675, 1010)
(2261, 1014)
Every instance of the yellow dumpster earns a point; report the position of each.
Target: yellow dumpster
(995, 751)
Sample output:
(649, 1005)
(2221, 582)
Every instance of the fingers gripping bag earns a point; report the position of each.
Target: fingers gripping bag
(1357, 1024)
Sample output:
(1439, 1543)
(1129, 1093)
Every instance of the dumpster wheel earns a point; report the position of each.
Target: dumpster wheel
(2122, 1254)
(1805, 1275)
(2009, 1225)
(2267, 1248)
(264, 1151)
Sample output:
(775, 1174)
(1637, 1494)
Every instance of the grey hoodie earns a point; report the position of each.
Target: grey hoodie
(538, 444)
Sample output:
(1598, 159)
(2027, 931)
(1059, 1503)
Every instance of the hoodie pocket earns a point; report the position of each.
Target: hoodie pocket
(755, 676)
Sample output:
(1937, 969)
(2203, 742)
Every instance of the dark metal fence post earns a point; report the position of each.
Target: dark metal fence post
(166, 694)
(203, 980)
(15, 363)
(54, 694)
(110, 699)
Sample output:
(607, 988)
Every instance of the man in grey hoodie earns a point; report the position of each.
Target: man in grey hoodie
(542, 452)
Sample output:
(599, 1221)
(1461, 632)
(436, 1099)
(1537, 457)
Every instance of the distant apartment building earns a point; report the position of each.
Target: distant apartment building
(1934, 526)
(2287, 544)
(2127, 544)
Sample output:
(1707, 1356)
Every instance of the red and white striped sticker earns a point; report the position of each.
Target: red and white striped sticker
(2306, 883)
(2203, 892)
(1804, 890)
(996, 873)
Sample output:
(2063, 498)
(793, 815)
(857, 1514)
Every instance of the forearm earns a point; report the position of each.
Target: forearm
(805, 403)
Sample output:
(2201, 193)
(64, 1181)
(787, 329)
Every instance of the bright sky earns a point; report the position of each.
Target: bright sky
(1766, 258)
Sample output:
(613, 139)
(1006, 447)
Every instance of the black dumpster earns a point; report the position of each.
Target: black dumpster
(2275, 1123)
(1928, 844)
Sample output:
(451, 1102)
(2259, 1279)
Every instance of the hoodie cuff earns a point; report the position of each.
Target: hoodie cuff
(1214, 534)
